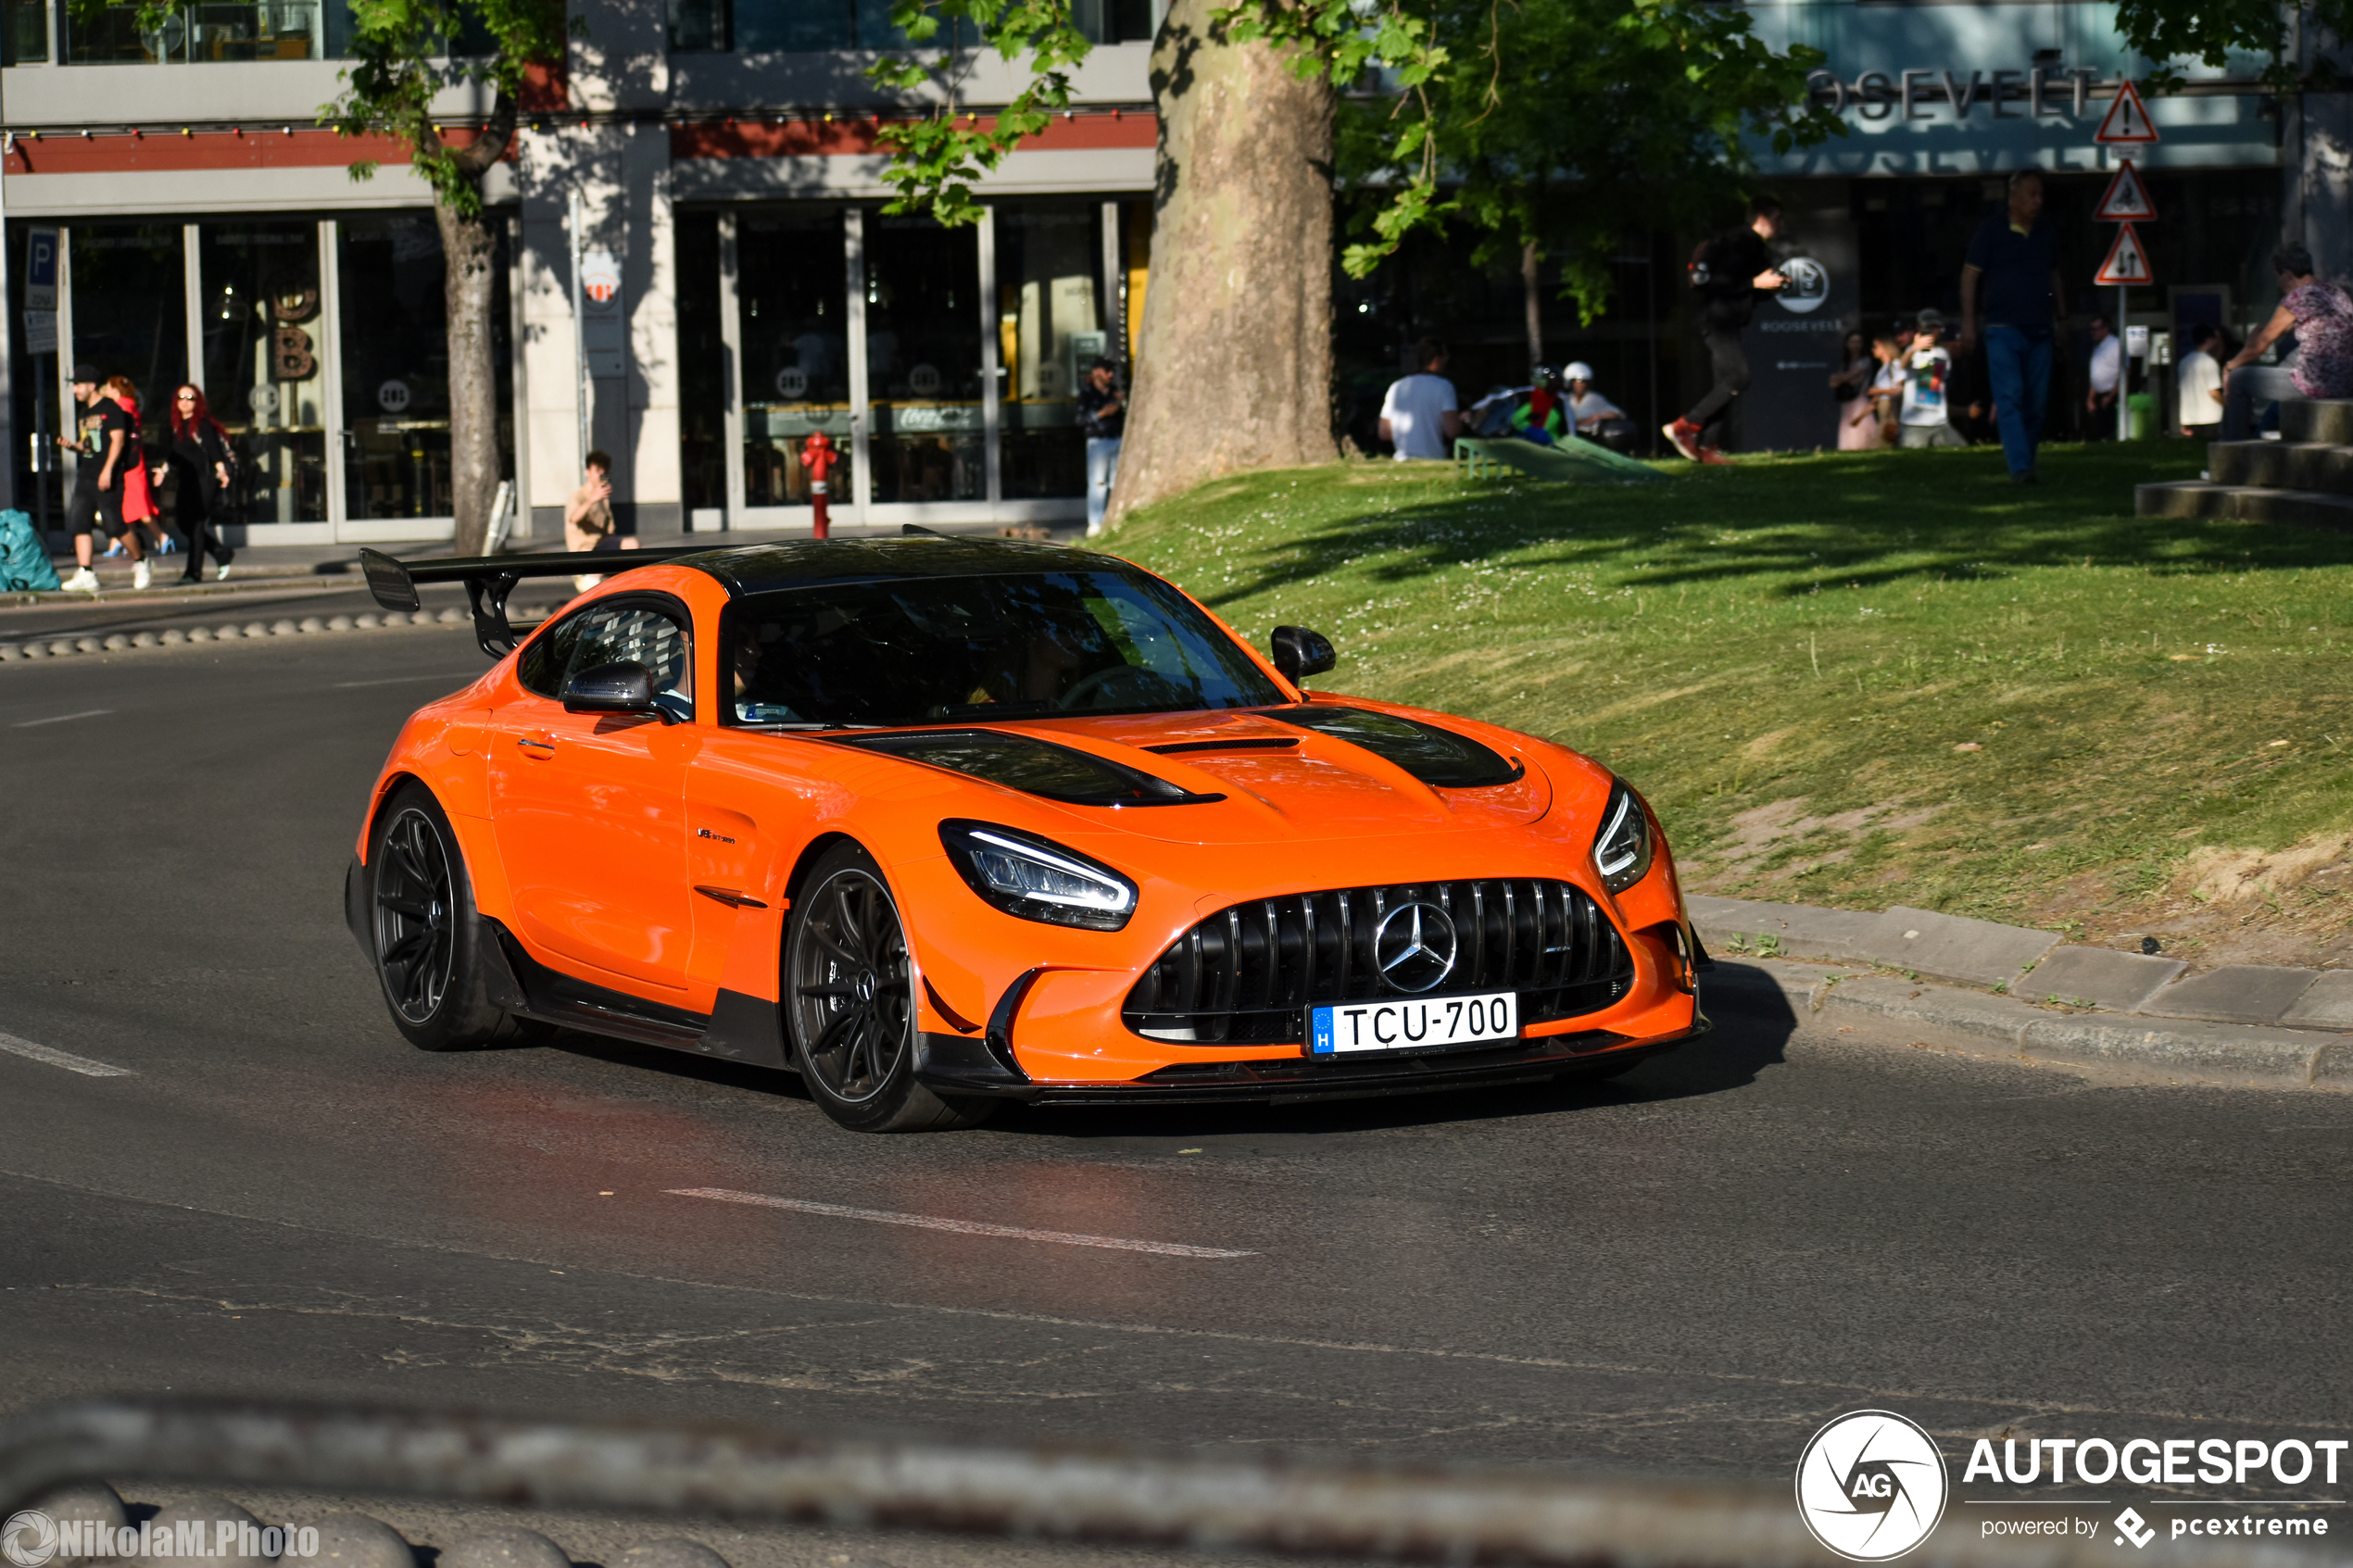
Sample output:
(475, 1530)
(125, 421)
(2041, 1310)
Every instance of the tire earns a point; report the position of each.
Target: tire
(429, 943)
(850, 1003)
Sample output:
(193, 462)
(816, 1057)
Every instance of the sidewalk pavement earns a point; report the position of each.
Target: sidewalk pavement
(1975, 984)
(287, 569)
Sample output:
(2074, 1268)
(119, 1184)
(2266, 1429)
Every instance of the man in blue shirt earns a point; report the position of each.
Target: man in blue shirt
(2015, 255)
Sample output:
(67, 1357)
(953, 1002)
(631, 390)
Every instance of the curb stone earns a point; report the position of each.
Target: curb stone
(2036, 965)
(228, 630)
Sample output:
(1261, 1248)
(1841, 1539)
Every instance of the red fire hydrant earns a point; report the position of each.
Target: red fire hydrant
(817, 455)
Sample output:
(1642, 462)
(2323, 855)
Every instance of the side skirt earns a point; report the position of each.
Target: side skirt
(740, 1027)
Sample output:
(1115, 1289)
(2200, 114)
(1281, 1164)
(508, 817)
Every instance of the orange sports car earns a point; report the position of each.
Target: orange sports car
(941, 822)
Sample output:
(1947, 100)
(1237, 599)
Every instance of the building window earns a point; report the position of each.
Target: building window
(923, 361)
(699, 26)
(1049, 324)
(702, 367)
(769, 26)
(24, 32)
(265, 354)
(215, 30)
(792, 295)
(396, 365)
(1114, 21)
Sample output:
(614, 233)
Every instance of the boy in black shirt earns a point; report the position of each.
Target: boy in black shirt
(1739, 270)
(107, 442)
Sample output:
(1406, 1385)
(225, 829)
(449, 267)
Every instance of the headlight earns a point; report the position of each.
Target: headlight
(1037, 879)
(1622, 852)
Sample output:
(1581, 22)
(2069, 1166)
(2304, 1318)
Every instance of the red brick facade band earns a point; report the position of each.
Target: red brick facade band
(310, 147)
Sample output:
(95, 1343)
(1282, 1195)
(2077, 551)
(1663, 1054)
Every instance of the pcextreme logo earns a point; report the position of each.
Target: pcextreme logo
(1870, 1485)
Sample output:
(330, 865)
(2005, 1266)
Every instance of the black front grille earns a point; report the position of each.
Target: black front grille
(1247, 975)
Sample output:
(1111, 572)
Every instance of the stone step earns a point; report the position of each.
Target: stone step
(2283, 465)
(2328, 422)
(2239, 503)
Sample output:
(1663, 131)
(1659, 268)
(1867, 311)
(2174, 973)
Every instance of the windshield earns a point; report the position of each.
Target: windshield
(948, 649)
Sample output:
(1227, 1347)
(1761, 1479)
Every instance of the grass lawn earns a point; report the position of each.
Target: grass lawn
(1862, 679)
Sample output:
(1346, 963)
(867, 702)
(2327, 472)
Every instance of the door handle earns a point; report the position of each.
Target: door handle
(541, 749)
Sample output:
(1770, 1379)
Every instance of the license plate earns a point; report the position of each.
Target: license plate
(1416, 1023)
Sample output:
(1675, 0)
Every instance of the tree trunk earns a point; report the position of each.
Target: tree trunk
(469, 247)
(1234, 369)
(1534, 302)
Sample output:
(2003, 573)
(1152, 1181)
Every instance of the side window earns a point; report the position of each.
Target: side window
(548, 655)
(639, 634)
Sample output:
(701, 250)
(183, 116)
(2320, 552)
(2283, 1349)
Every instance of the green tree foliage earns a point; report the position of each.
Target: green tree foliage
(1570, 124)
(2208, 32)
(1567, 123)
(403, 55)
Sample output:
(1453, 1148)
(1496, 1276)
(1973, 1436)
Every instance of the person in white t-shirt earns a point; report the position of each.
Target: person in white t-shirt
(1420, 416)
(2201, 385)
(2107, 369)
(1926, 418)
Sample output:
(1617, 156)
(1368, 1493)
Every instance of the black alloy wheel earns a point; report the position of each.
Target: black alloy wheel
(416, 909)
(849, 991)
(432, 949)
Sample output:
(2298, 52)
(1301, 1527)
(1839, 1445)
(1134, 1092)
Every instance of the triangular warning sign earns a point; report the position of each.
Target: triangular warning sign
(2128, 117)
(2127, 200)
(2127, 262)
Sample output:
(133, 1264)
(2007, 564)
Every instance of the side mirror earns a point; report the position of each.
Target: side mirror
(613, 688)
(1300, 652)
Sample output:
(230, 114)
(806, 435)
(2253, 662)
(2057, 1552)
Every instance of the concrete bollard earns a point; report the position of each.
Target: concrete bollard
(117, 643)
(61, 648)
(171, 636)
(453, 616)
(311, 623)
(671, 1552)
(93, 1502)
(87, 644)
(368, 621)
(504, 1548)
(356, 1540)
(340, 623)
(143, 639)
(284, 627)
(257, 629)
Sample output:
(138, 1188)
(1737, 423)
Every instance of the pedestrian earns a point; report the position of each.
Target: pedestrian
(106, 439)
(1887, 387)
(2321, 316)
(1851, 394)
(1103, 414)
(1597, 418)
(1926, 418)
(2200, 384)
(141, 515)
(1731, 273)
(2015, 255)
(202, 466)
(588, 520)
(1420, 416)
(2106, 376)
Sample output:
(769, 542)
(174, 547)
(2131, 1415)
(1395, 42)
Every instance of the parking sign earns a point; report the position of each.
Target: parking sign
(41, 269)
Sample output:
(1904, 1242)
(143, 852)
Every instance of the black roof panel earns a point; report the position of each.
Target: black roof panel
(794, 563)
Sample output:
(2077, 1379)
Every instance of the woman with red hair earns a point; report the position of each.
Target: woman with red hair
(202, 465)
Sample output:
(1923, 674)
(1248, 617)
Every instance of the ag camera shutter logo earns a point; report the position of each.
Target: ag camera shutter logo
(1872, 1486)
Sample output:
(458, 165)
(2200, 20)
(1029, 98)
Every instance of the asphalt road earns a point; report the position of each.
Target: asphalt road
(1685, 1272)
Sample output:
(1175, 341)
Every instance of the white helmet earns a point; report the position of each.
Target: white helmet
(1578, 372)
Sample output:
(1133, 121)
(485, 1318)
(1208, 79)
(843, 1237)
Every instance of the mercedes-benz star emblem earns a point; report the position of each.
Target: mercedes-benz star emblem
(1415, 946)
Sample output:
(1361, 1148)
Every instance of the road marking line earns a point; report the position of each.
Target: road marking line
(402, 680)
(65, 1060)
(90, 713)
(961, 1227)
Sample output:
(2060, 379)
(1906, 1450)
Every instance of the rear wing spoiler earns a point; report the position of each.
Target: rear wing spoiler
(489, 579)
